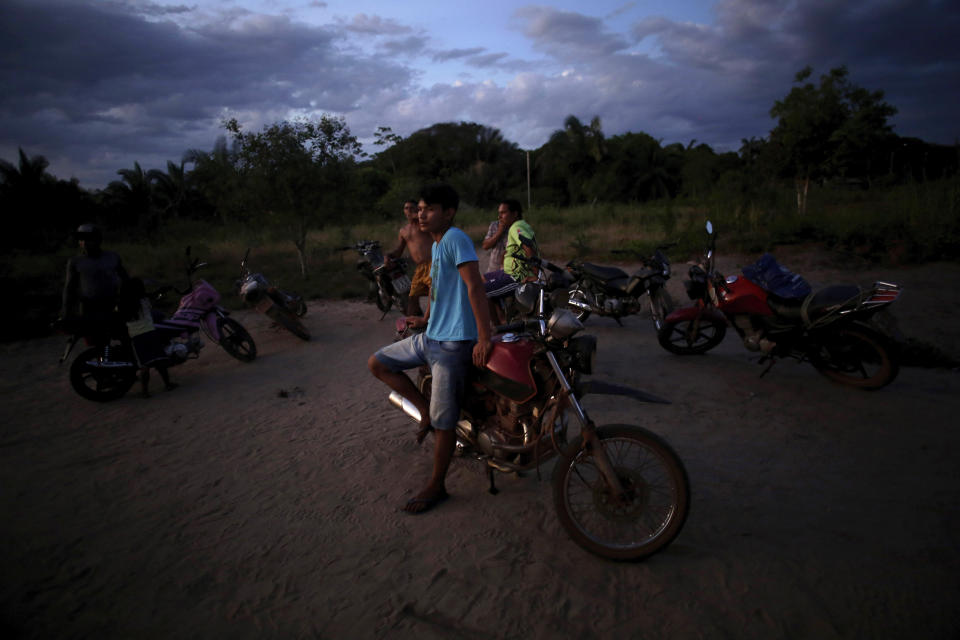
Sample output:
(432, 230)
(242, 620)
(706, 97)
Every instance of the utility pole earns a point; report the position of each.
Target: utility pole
(528, 178)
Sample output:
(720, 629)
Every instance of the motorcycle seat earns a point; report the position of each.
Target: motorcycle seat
(604, 273)
(828, 301)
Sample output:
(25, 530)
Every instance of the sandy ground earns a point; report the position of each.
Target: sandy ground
(261, 500)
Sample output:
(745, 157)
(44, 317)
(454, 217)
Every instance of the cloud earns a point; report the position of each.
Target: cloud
(96, 85)
(375, 25)
(113, 80)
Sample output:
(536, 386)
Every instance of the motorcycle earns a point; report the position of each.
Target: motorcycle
(107, 368)
(620, 491)
(611, 292)
(283, 307)
(776, 314)
(389, 285)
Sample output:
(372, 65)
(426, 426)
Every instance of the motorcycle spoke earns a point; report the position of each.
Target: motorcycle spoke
(650, 489)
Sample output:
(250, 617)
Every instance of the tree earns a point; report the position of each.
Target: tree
(38, 211)
(296, 172)
(827, 130)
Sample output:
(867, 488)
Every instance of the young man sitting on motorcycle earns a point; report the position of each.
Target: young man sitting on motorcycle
(519, 239)
(458, 331)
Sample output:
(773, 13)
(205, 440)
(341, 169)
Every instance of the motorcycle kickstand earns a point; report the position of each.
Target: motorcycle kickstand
(493, 486)
(766, 369)
(618, 321)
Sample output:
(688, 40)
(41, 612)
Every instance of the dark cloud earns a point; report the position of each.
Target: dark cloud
(92, 77)
(95, 85)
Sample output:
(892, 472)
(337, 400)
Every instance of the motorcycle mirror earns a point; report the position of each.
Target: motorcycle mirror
(525, 241)
(709, 227)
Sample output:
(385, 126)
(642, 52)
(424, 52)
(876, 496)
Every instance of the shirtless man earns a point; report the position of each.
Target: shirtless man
(419, 243)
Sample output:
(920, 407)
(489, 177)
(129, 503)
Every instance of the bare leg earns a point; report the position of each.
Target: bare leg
(145, 382)
(402, 384)
(165, 376)
(445, 443)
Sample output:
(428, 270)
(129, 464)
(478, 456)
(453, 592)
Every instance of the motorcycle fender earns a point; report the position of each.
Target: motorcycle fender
(690, 313)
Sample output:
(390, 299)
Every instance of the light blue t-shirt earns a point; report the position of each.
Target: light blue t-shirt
(451, 316)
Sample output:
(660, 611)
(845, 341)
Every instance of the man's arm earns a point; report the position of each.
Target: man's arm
(490, 241)
(396, 253)
(69, 298)
(470, 274)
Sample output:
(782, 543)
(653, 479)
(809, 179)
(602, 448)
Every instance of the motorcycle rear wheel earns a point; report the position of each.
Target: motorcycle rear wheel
(676, 337)
(101, 384)
(236, 340)
(657, 492)
(286, 319)
(855, 356)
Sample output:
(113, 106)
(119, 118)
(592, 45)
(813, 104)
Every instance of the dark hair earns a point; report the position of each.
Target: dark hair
(442, 194)
(410, 201)
(514, 206)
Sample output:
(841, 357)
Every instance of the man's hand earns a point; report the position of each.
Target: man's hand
(481, 352)
(416, 322)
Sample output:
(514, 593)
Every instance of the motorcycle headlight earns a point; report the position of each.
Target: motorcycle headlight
(583, 351)
(563, 324)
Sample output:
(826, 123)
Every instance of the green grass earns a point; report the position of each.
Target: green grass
(901, 224)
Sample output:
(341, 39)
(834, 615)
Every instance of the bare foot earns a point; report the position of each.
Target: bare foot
(425, 500)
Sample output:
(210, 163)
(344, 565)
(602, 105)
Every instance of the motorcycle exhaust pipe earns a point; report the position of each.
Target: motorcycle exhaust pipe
(405, 405)
(580, 304)
(465, 433)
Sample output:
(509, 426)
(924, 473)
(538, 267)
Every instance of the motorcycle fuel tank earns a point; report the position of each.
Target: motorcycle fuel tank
(508, 369)
(742, 296)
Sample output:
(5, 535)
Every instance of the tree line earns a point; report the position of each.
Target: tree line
(295, 176)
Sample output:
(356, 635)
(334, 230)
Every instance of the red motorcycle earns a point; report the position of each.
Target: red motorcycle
(620, 491)
(776, 315)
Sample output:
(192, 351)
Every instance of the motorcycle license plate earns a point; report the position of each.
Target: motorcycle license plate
(401, 284)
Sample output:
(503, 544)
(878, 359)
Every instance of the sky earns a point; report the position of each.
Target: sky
(96, 85)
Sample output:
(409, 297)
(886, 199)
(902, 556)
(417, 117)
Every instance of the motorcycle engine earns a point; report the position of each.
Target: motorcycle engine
(613, 306)
(509, 424)
(753, 338)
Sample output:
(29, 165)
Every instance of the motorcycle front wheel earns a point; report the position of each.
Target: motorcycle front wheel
(653, 509)
(690, 337)
(102, 383)
(661, 305)
(235, 340)
(384, 298)
(289, 321)
(854, 356)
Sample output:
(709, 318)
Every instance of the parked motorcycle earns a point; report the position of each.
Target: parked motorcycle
(107, 368)
(620, 491)
(611, 292)
(389, 285)
(283, 307)
(830, 328)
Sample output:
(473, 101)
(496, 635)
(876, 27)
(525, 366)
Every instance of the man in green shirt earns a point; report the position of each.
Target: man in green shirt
(500, 283)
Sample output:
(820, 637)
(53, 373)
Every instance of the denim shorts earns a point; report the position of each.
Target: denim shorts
(449, 363)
